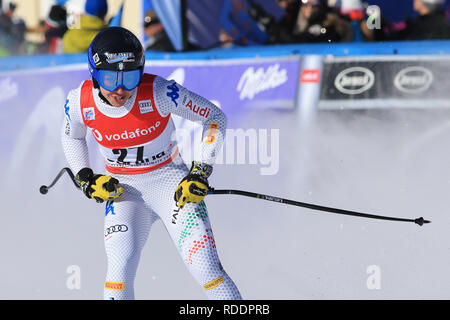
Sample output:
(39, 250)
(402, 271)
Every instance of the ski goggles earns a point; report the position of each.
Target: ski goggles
(111, 80)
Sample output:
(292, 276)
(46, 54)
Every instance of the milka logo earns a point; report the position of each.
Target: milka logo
(253, 82)
(126, 134)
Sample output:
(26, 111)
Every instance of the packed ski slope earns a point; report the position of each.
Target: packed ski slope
(387, 163)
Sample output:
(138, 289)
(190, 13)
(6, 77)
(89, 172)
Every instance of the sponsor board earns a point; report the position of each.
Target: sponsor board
(383, 82)
(215, 80)
(355, 80)
(253, 81)
(310, 76)
(413, 79)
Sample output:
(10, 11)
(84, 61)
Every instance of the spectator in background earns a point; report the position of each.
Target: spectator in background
(51, 30)
(5, 32)
(431, 24)
(237, 28)
(12, 32)
(225, 40)
(305, 21)
(354, 11)
(357, 13)
(78, 39)
(280, 31)
(157, 39)
(55, 28)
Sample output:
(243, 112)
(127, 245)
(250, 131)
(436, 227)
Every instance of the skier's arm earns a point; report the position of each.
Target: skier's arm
(170, 97)
(173, 98)
(73, 137)
(73, 133)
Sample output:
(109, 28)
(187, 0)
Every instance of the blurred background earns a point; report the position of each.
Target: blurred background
(339, 103)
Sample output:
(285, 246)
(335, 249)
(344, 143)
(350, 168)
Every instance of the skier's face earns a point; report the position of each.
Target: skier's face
(118, 97)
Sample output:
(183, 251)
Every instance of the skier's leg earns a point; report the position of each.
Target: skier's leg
(193, 236)
(191, 233)
(127, 226)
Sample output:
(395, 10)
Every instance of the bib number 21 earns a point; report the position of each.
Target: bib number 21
(134, 156)
(123, 153)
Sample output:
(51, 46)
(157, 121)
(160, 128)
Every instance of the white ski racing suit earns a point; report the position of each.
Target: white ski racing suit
(138, 146)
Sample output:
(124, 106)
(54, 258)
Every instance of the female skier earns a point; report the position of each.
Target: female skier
(128, 113)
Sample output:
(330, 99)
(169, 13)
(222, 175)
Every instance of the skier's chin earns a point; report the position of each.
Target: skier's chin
(118, 97)
(118, 101)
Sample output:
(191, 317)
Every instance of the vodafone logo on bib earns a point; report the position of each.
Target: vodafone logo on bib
(125, 135)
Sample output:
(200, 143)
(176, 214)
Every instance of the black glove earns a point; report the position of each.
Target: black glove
(98, 187)
(194, 187)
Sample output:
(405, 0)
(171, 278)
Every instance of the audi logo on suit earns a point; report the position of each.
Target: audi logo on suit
(116, 228)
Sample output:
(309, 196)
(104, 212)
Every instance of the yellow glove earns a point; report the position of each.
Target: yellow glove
(98, 187)
(194, 187)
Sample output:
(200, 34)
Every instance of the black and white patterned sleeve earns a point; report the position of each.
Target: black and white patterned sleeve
(73, 133)
(170, 97)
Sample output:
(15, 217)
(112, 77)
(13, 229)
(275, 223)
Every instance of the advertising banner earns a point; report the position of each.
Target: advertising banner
(32, 101)
(385, 82)
(237, 84)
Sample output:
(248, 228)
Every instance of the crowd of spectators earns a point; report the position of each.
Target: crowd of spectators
(315, 21)
(302, 21)
(431, 23)
(12, 31)
(56, 33)
(91, 22)
(157, 38)
(60, 34)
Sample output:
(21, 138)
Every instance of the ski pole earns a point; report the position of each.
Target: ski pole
(420, 221)
(44, 189)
